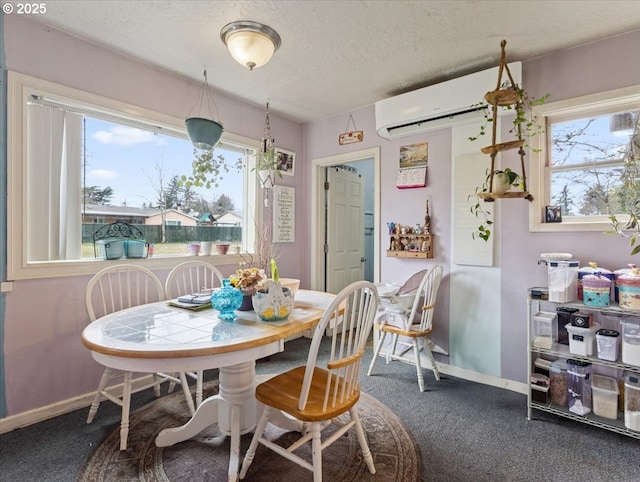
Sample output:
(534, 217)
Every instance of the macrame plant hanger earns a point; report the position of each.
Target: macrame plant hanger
(267, 147)
(504, 96)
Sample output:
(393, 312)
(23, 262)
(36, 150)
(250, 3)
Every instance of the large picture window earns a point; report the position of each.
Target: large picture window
(79, 162)
(579, 164)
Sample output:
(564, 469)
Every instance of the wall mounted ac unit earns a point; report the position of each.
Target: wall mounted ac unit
(439, 105)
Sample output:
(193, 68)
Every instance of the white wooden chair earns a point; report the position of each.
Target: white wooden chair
(113, 289)
(317, 393)
(415, 323)
(188, 278)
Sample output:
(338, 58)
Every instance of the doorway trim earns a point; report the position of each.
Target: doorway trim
(317, 211)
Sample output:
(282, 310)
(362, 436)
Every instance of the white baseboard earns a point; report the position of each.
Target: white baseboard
(41, 414)
(491, 380)
(465, 374)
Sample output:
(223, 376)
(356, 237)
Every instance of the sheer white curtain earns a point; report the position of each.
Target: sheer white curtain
(53, 197)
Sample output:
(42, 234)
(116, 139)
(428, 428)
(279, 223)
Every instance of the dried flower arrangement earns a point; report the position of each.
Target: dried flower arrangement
(246, 279)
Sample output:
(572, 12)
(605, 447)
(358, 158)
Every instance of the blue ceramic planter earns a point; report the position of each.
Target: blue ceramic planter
(203, 133)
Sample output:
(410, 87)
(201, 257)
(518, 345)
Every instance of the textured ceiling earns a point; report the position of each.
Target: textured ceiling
(340, 55)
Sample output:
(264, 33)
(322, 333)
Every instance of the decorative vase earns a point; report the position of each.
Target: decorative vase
(273, 303)
(226, 300)
(222, 248)
(247, 301)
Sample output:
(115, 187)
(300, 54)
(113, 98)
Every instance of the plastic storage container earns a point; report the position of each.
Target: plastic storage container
(592, 268)
(544, 330)
(629, 290)
(563, 280)
(539, 388)
(632, 401)
(579, 386)
(558, 382)
(564, 316)
(582, 340)
(542, 366)
(616, 274)
(111, 248)
(605, 396)
(631, 342)
(596, 290)
(608, 342)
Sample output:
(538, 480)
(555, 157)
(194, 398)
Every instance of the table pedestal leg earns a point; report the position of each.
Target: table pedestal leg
(233, 409)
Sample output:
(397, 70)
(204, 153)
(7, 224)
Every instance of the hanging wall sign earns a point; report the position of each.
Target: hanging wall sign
(413, 166)
(284, 214)
(349, 137)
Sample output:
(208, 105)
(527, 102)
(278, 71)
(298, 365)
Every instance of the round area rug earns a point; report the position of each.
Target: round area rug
(206, 456)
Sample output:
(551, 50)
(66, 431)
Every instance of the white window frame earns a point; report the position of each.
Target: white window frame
(539, 182)
(20, 88)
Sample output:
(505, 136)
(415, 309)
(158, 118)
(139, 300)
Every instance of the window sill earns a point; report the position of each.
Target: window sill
(60, 269)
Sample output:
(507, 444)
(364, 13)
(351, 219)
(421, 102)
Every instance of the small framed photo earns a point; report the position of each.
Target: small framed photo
(552, 214)
(286, 161)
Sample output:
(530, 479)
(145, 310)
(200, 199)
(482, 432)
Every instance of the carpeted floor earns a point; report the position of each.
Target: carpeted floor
(465, 431)
(206, 457)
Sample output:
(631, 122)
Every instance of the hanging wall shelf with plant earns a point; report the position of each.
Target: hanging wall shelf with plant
(498, 183)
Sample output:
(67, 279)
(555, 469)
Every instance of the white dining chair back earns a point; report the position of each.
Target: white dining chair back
(413, 324)
(113, 289)
(121, 286)
(192, 277)
(318, 392)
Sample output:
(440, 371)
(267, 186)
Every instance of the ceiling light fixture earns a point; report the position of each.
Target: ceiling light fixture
(251, 44)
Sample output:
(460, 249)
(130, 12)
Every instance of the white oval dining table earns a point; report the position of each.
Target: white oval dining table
(158, 337)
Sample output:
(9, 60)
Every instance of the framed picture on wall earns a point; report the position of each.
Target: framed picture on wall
(286, 161)
(553, 214)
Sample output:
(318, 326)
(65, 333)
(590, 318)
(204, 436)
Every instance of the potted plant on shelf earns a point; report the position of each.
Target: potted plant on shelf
(267, 167)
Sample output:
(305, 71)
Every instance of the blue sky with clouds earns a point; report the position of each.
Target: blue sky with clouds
(127, 159)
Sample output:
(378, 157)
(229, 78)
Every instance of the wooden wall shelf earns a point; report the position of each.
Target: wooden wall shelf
(410, 246)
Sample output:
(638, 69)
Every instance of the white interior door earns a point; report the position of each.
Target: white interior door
(345, 228)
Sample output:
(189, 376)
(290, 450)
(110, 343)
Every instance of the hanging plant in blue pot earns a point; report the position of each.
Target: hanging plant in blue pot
(204, 133)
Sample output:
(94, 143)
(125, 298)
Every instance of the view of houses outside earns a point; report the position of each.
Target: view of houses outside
(133, 176)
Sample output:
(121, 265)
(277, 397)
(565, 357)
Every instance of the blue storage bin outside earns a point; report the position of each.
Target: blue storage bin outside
(111, 248)
(135, 248)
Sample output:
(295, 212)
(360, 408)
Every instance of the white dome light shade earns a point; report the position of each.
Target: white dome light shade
(251, 44)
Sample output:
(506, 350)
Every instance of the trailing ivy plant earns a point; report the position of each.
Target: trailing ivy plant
(524, 124)
(483, 231)
(524, 127)
(208, 170)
